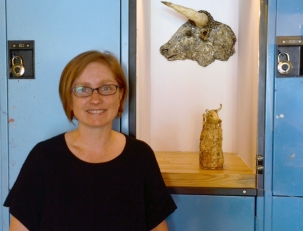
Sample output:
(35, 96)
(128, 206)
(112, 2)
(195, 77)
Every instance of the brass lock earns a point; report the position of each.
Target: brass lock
(17, 69)
(284, 66)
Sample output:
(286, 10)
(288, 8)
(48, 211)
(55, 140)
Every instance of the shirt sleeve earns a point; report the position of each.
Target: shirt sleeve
(26, 196)
(159, 203)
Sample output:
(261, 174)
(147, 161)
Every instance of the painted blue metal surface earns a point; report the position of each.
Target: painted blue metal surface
(287, 214)
(288, 112)
(259, 217)
(288, 141)
(61, 30)
(212, 213)
(283, 212)
(289, 17)
(270, 81)
(4, 214)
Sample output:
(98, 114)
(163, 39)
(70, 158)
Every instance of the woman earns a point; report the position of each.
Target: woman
(91, 178)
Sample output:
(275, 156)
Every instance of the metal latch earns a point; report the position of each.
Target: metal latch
(259, 164)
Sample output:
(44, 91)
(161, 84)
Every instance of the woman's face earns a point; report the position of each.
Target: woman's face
(96, 110)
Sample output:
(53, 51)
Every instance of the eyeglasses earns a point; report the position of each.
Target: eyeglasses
(83, 91)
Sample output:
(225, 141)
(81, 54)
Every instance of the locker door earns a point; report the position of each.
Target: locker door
(212, 213)
(287, 214)
(61, 30)
(288, 121)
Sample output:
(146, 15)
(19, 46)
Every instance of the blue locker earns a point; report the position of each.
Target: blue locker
(31, 110)
(288, 112)
(287, 214)
(212, 213)
(288, 140)
(61, 30)
(283, 206)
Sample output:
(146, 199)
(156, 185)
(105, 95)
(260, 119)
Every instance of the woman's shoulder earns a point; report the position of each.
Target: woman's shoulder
(138, 148)
(47, 147)
(52, 143)
(136, 143)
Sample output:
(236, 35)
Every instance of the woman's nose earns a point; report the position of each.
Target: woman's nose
(95, 97)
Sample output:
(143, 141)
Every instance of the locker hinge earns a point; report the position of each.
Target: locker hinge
(259, 164)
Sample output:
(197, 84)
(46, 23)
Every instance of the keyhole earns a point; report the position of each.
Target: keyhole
(17, 70)
(285, 67)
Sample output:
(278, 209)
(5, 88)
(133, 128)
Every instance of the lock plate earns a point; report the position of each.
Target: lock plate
(24, 49)
(293, 46)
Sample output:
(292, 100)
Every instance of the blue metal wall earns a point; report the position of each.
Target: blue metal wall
(283, 208)
(3, 118)
(287, 214)
(288, 112)
(212, 213)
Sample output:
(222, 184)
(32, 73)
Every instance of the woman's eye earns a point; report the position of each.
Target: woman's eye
(82, 89)
(105, 88)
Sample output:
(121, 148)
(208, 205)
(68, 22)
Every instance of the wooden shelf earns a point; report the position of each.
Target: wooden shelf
(181, 169)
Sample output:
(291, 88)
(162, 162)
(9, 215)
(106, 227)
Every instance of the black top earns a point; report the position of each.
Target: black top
(57, 191)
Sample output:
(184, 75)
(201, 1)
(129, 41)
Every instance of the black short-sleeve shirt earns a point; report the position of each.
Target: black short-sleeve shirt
(57, 191)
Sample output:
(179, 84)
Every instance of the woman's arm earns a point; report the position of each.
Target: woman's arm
(161, 227)
(16, 225)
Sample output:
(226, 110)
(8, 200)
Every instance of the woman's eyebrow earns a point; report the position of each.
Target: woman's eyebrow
(105, 81)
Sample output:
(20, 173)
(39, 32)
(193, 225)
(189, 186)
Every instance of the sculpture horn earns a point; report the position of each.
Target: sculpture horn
(219, 108)
(200, 19)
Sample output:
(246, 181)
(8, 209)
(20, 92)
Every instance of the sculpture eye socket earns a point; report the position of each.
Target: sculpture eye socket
(204, 34)
(188, 33)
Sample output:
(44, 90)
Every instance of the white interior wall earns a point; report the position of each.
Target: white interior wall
(248, 80)
(173, 95)
(143, 113)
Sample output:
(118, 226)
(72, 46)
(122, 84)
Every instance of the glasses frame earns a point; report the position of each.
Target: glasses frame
(97, 88)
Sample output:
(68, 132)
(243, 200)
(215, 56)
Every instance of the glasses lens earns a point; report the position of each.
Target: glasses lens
(82, 91)
(109, 89)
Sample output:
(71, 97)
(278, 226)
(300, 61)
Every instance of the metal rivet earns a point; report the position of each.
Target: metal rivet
(260, 158)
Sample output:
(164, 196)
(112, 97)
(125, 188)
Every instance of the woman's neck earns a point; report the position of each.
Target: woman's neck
(95, 145)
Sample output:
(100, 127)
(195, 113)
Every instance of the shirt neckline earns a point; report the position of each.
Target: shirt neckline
(75, 158)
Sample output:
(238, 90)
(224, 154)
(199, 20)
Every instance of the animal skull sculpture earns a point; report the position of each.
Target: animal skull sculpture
(201, 38)
(211, 153)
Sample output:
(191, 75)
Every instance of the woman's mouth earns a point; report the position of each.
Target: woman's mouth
(95, 111)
